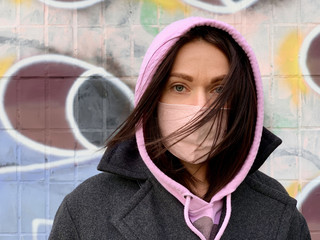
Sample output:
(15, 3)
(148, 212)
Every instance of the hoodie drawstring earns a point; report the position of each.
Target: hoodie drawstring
(226, 218)
(187, 219)
(195, 230)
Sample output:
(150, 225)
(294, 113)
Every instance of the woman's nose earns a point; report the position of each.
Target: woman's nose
(200, 98)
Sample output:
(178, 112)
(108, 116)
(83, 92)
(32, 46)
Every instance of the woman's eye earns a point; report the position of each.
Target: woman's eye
(179, 88)
(218, 89)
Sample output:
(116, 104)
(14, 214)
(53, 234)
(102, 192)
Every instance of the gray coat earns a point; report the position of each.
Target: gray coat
(127, 202)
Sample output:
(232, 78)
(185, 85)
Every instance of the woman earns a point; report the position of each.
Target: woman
(185, 163)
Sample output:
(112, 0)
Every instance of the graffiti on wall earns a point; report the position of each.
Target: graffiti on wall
(70, 4)
(309, 61)
(298, 58)
(309, 204)
(288, 62)
(56, 109)
(64, 97)
(221, 6)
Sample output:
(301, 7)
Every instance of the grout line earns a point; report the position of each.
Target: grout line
(46, 134)
(18, 147)
(75, 33)
(272, 84)
(299, 102)
(75, 55)
(19, 198)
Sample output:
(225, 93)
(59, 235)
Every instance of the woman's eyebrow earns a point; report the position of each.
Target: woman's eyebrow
(219, 78)
(190, 79)
(183, 76)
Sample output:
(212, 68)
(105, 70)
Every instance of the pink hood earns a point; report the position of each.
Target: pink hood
(159, 47)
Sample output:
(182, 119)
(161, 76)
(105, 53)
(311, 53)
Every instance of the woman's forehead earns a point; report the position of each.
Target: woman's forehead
(200, 58)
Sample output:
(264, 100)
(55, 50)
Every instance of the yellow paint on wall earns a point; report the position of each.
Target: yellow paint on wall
(5, 64)
(288, 62)
(22, 1)
(170, 5)
(293, 189)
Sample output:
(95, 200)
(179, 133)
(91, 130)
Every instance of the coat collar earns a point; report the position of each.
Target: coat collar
(124, 159)
(269, 142)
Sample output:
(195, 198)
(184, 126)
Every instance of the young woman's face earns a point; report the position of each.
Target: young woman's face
(197, 74)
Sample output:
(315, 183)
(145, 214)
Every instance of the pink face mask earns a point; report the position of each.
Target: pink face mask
(195, 147)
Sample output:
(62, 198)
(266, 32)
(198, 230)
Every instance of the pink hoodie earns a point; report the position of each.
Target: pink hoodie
(195, 207)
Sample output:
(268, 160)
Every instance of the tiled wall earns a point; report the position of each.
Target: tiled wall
(67, 70)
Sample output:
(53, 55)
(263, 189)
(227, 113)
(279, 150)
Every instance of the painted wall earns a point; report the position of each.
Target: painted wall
(67, 70)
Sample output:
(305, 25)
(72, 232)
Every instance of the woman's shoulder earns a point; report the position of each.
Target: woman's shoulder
(262, 200)
(101, 187)
(85, 213)
(104, 190)
(269, 187)
(263, 180)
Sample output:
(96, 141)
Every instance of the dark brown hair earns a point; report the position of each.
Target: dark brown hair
(226, 157)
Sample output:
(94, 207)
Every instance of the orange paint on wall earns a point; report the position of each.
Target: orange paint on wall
(288, 62)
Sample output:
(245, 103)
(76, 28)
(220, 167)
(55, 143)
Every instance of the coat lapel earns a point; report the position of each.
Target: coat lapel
(152, 213)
